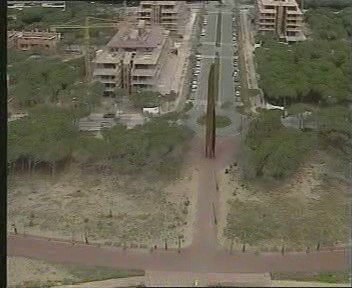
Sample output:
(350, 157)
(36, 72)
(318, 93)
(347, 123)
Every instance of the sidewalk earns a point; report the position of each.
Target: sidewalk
(184, 53)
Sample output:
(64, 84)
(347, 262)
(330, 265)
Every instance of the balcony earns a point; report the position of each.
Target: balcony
(105, 72)
(290, 12)
(143, 81)
(266, 28)
(143, 72)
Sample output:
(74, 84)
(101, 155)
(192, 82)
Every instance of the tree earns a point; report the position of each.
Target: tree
(41, 81)
(46, 135)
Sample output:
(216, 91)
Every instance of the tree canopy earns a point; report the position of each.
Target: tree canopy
(266, 154)
(313, 70)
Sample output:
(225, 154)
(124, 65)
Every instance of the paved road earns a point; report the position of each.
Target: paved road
(226, 87)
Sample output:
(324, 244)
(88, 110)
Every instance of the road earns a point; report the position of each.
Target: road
(203, 255)
(226, 87)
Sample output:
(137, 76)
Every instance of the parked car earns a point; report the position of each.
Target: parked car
(109, 115)
(237, 93)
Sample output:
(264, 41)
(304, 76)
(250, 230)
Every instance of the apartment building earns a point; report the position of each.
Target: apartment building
(172, 15)
(27, 40)
(107, 69)
(134, 58)
(26, 4)
(281, 17)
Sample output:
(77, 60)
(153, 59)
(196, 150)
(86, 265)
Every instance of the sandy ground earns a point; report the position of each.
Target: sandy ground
(111, 209)
(21, 270)
(306, 185)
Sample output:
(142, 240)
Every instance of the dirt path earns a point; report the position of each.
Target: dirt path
(202, 256)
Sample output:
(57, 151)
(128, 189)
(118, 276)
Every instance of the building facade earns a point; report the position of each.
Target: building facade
(28, 40)
(283, 18)
(135, 57)
(107, 69)
(172, 15)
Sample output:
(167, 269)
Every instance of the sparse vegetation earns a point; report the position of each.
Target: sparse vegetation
(307, 210)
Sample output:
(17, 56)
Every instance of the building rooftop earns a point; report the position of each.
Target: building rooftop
(129, 37)
(107, 57)
(147, 58)
(37, 34)
(279, 2)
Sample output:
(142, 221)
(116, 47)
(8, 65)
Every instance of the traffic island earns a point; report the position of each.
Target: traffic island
(220, 121)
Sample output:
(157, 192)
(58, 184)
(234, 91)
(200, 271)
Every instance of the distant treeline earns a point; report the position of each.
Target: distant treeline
(337, 4)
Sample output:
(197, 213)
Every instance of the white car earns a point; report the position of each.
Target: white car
(237, 93)
(198, 64)
(198, 56)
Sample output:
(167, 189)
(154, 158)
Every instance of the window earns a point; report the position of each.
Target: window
(109, 66)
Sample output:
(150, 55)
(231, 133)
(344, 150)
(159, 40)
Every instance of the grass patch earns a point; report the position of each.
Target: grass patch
(47, 274)
(87, 274)
(188, 106)
(221, 121)
(325, 277)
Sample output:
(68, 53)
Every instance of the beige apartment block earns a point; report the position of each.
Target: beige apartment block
(134, 58)
(27, 40)
(107, 69)
(172, 15)
(281, 17)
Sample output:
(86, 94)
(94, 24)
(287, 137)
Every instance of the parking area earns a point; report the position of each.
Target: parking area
(236, 67)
